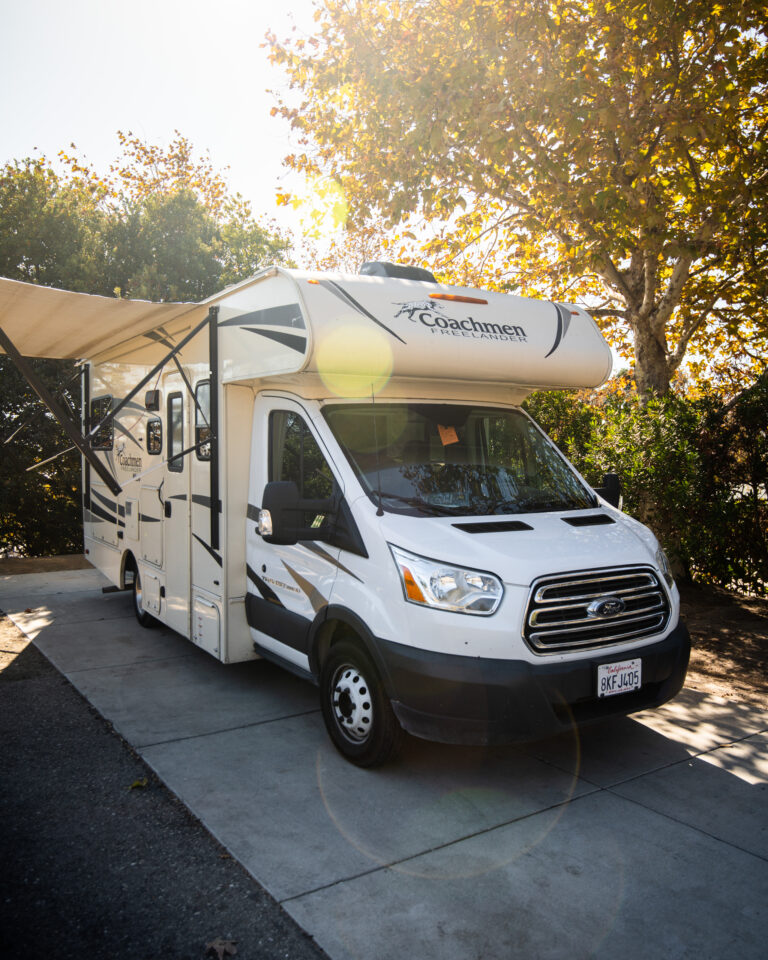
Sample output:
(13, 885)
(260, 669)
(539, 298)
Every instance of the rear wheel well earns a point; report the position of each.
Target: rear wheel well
(128, 566)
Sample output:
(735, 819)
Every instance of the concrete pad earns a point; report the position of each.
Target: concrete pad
(607, 879)
(723, 793)
(701, 722)
(624, 748)
(747, 759)
(84, 608)
(191, 696)
(298, 816)
(90, 645)
(50, 584)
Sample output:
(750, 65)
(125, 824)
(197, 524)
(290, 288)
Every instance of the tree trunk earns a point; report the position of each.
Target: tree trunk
(652, 370)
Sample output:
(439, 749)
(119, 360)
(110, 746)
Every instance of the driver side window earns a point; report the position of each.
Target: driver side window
(295, 455)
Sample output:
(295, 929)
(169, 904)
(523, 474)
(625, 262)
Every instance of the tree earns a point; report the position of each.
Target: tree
(159, 225)
(609, 149)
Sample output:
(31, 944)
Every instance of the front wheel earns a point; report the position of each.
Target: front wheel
(356, 710)
(145, 619)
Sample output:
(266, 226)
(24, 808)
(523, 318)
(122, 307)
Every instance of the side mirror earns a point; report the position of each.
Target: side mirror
(611, 489)
(283, 512)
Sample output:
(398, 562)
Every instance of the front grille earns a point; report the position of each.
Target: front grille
(569, 612)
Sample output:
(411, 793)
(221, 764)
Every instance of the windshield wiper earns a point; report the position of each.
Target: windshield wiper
(437, 508)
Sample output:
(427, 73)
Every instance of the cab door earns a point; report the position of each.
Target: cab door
(288, 586)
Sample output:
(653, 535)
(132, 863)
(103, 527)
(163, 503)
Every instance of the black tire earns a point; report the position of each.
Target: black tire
(145, 619)
(356, 710)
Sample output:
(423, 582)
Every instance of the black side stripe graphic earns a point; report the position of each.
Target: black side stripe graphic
(338, 291)
(285, 339)
(109, 504)
(288, 315)
(211, 551)
(97, 511)
(318, 550)
(197, 498)
(144, 518)
(563, 322)
(253, 512)
(264, 589)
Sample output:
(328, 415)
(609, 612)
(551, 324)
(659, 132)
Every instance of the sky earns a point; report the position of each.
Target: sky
(78, 71)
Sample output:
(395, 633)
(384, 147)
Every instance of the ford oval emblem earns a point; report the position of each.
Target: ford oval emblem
(606, 607)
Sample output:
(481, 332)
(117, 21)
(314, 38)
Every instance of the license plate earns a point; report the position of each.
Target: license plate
(613, 678)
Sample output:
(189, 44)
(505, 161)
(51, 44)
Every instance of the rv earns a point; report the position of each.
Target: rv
(335, 473)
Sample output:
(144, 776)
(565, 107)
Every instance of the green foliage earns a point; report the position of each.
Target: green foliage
(40, 510)
(603, 151)
(160, 225)
(695, 471)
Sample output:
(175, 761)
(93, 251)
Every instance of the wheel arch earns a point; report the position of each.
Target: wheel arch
(335, 623)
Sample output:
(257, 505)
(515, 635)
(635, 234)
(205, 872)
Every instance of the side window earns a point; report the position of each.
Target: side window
(203, 420)
(155, 436)
(105, 438)
(295, 455)
(175, 432)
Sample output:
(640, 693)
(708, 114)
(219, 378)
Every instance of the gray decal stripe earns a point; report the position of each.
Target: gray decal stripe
(204, 545)
(285, 339)
(316, 598)
(314, 548)
(253, 512)
(288, 315)
(127, 433)
(143, 518)
(266, 591)
(563, 322)
(338, 291)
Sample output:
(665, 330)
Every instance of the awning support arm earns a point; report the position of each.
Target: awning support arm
(142, 383)
(65, 422)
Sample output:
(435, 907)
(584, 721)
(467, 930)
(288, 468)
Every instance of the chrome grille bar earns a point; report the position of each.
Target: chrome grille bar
(562, 612)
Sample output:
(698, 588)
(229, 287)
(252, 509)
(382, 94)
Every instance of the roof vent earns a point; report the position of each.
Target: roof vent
(381, 268)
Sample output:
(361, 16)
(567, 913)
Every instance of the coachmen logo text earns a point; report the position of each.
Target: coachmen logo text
(129, 463)
(429, 313)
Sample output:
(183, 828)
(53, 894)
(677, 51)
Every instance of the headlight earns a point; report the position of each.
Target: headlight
(446, 587)
(663, 562)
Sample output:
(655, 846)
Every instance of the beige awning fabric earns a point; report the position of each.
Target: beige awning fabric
(43, 322)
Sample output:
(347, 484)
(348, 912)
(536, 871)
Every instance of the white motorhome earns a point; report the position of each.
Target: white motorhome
(334, 472)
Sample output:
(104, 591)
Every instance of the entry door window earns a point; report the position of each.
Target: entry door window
(175, 432)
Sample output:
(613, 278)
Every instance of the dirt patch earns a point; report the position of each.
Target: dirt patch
(729, 657)
(10, 566)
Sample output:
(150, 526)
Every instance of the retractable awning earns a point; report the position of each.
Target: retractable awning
(44, 322)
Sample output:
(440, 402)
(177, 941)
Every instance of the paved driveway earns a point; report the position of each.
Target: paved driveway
(637, 838)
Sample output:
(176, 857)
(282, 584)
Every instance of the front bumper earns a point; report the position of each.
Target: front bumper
(454, 699)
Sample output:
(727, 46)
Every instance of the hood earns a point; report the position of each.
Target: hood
(553, 544)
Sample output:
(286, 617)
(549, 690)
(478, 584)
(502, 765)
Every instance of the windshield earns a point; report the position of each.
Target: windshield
(450, 459)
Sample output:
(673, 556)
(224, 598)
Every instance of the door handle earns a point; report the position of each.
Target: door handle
(167, 508)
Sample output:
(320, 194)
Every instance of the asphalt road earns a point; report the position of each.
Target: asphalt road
(99, 859)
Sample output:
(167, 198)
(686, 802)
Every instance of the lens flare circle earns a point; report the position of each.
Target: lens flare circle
(354, 360)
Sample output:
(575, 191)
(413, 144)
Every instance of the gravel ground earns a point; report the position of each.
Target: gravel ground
(99, 859)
